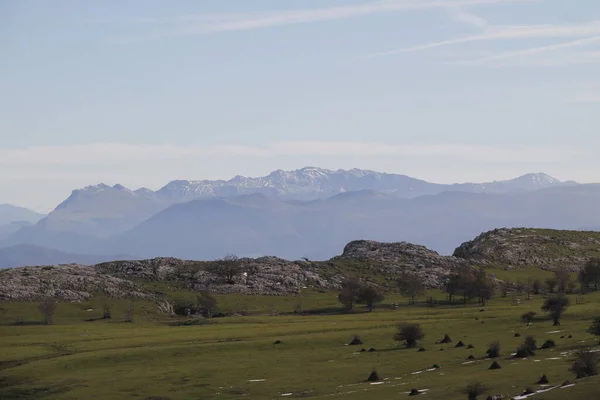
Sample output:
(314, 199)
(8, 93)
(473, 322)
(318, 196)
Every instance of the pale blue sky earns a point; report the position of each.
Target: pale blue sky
(143, 92)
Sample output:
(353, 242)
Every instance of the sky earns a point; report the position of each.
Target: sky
(144, 92)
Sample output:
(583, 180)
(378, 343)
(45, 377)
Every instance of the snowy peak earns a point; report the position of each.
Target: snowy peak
(311, 183)
(538, 179)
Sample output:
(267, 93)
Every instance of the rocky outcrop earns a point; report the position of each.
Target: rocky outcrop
(392, 259)
(65, 282)
(127, 279)
(520, 247)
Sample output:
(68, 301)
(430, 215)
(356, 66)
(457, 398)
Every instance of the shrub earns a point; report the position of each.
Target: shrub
(355, 341)
(495, 365)
(530, 342)
(528, 317)
(494, 350)
(409, 332)
(585, 364)
(473, 390)
(524, 351)
(543, 380)
(548, 344)
(446, 339)
(460, 344)
(374, 377)
(594, 329)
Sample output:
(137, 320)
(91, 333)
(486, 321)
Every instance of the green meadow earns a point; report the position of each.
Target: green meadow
(236, 357)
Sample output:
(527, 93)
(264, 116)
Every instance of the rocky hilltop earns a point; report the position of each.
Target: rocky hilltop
(391, 259)
(134, 279)
(259, 276)
(509, 248)
(520, 247)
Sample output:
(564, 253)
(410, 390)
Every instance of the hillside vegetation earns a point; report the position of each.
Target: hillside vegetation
(521, 247)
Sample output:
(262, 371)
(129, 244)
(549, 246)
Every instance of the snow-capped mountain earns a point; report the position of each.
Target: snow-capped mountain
(312, 183)
(102, 211)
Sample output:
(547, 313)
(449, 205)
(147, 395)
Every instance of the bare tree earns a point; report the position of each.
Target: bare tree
(410, 286)
(227, 268)
(47, 308)
(106, 309)
(563, 278)
(207, 304)
(129, 312)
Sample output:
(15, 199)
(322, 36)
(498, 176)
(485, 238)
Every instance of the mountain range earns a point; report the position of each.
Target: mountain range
(310, 212)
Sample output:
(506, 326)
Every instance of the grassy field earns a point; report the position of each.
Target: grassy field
(235, 357)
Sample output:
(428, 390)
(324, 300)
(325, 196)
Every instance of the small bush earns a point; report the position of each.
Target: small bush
(543, 380)
(470, 346)
(460, 344)
(495, 365)
(524, 351)
(372, 350)
(421, 349)
(473, 390)
(548, 344)
(517, 334)
(355, 341)
(528, 317)
(471, 357)
(446, 339)
(531, 342)
(494, 350)
(414, 392)
(277, 342)
(409, 332)
(585, 364)
(374, 377)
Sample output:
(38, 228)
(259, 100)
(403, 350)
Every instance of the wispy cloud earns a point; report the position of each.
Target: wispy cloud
(533, 51)
(189, 25)
(494, 33)
(468, 18)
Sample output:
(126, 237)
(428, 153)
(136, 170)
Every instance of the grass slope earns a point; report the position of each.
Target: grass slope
(111, 359)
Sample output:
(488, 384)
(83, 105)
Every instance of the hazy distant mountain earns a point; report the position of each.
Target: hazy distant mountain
(27, 255)
(82, 222)
(10, 214)
(8, 229)
(211, 228)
